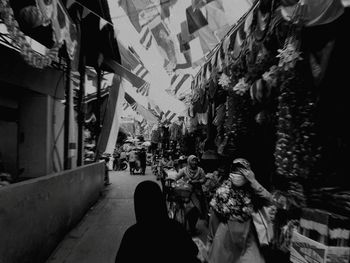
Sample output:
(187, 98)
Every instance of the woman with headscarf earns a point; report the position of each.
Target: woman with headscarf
(155, 237)
(195, 176)
(232, 236)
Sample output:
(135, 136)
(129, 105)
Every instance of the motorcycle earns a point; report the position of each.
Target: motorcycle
(123, 165)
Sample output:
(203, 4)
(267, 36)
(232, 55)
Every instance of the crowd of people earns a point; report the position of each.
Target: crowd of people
(229, 212)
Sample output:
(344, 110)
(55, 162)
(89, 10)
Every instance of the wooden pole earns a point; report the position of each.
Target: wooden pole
(98, 110)
(67, 163)
(81, 109)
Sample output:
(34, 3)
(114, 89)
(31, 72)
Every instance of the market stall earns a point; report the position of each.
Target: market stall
(273, 89)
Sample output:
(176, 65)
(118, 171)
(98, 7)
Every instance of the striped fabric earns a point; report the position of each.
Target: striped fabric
(177, 81)
(75, 78)
(168, 116)
(140, 71)
(132, 61)
(125, 105)
(146, 37)
(144, 89)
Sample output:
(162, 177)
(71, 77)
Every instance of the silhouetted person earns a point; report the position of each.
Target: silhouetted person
(155, 237)
(143, 160)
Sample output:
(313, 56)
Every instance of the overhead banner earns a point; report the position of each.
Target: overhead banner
(185, 36)
(112, 117)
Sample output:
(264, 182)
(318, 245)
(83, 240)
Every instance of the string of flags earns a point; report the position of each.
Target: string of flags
(144, 89)
(86, 11)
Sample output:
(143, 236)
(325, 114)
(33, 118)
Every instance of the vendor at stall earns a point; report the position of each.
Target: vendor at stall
(195, 176)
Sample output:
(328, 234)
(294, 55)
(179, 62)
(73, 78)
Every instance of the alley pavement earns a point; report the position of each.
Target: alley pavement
(97, 237)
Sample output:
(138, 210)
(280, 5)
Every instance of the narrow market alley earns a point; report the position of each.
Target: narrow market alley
(97, 237)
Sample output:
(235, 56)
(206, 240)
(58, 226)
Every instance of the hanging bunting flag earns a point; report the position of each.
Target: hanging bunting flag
(154, 108)
(146, 37)
(75, 77)
(219, 60)
(131, 61)
(125, 73)
(102, 23)
(132, 9)
(237, 45)
(208, 72)
(195, 19)
(225, 46)
(213, 60)
(144, 89)
(203, 73)
(140, 70)
(86, 12)
(69, 3)
(177, 81)
(125, 105)
(248, 22)
(168, 116)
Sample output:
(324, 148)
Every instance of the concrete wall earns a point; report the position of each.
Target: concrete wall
(36, 214)
(8, 146)
(34, 148)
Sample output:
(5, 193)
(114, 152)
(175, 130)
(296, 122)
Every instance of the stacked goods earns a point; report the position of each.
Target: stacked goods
(305, 250)
(322, 237)
(331, 199)
(327, 228)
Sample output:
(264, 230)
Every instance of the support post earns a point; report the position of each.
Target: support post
(81, 109)
(67, 160)
(98, 110)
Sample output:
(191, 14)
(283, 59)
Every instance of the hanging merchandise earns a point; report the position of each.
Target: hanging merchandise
(202, 118)
(19, 38)
(289, 55)
(224, 81)
(241, 87)
(219, 115)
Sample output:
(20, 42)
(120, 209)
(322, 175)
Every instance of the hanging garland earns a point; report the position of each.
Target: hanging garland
(30, 56)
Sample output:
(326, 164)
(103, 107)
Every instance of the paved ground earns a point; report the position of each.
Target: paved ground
(97, 237)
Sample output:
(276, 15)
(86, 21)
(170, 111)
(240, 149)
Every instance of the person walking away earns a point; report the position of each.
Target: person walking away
(143, 160)
(132, 161)
(116, 159)
(194, 175)
(232, 236)
(106, 160)
(170, 164)
(155, 237)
